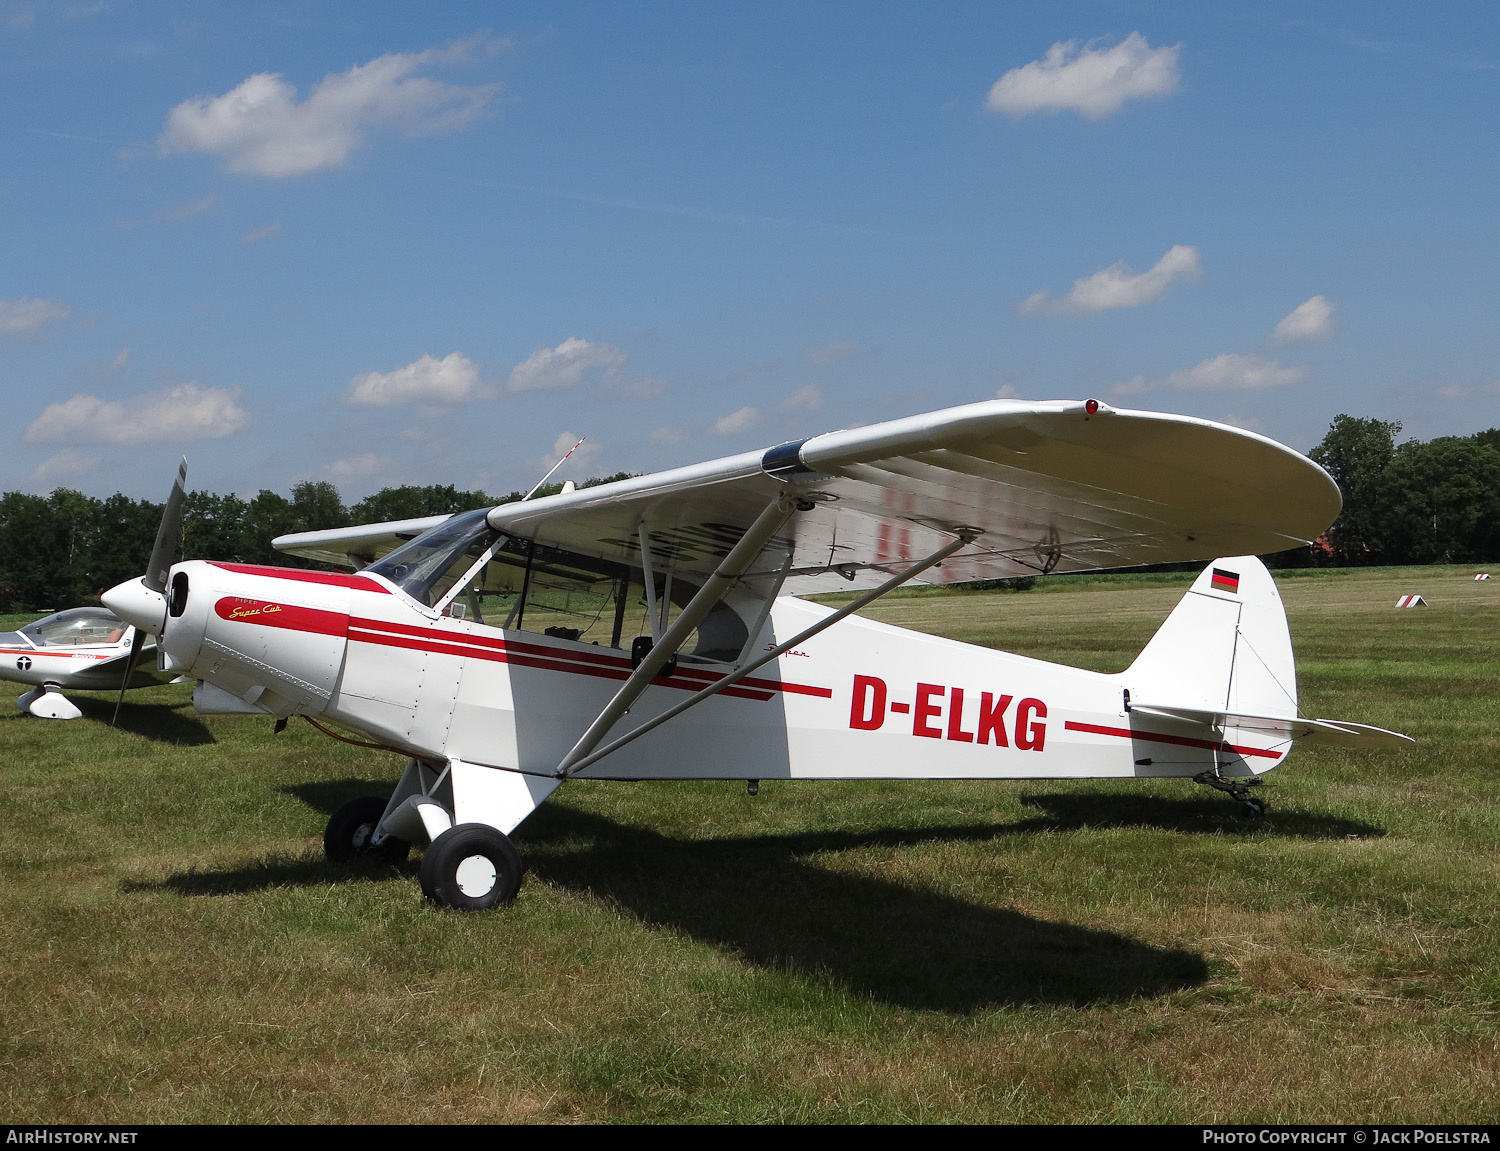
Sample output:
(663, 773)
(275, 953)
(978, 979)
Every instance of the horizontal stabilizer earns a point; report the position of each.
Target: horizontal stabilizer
(1334, 733)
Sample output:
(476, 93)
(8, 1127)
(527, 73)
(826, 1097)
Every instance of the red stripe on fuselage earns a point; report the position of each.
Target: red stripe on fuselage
(1178, 740)
(598, 664)
(300, 575)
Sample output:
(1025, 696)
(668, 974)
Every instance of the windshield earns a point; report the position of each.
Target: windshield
(76, 626)
(427, 567)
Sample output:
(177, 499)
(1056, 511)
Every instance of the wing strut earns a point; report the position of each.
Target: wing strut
(730, 569)
(576, 762)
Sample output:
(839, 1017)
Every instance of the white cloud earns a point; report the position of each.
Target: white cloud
(808, 399)
(1007, 392)
(668, 436)
(1459, 392)
(829, 353)
(640, 388)
(65, 467)
(255, 235)
(1249, 423)
(356, 467)
(1307, 323)
(183, 211)
(564, 443)
(452, 380)
(1118, 287)
(1230, 372)
(121, 359)
(565, 365)
(261, 130)
(26, 317)
(1092, 81)
(735, 422)
(184, 412)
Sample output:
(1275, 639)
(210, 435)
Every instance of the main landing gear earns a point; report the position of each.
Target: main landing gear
(471, 867)
(1236, 789)
(351, 828)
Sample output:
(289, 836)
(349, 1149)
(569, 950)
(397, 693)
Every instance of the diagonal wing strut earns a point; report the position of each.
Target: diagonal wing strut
(730, 569)
(583, 754)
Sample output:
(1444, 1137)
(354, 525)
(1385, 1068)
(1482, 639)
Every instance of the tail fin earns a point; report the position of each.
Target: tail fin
(1225, 647)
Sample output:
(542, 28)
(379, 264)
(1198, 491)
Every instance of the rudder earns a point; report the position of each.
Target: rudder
(1225, 647)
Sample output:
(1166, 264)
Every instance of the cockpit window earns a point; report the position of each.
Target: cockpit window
(533, 587)
(79, 625)
(427, 567)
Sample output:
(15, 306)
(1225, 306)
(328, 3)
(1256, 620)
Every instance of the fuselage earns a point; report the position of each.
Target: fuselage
(72, 649)
(860, 700)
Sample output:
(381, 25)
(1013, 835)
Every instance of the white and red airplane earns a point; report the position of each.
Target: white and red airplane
(82, 648)
(650, 628)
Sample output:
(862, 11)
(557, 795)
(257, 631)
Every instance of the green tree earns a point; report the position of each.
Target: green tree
(1356, 453)
(316, 505)
(123, 531)
(1442, 501)
(413, 501)
(212, 527)
(267, 516)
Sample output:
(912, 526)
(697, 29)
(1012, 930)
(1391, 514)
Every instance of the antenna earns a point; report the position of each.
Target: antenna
(554, 468)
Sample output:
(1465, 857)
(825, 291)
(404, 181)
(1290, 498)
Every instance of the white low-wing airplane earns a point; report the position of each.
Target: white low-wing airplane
(649, 628)
(82, 648)
(90, 648)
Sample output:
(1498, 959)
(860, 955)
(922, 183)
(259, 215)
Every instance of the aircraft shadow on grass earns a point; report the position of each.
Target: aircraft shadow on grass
(761, 898)
(1209, 815)
(160, 722)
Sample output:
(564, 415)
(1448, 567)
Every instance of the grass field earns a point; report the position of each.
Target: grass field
(175, 948)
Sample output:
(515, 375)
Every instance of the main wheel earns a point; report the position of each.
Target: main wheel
(1252, 808)
(347, 836)
(471, 867)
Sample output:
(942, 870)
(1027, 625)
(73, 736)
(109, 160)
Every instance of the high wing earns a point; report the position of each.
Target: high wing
(1050, 486)
(355, 547)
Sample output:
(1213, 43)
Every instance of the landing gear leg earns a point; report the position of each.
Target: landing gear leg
(1236, 789)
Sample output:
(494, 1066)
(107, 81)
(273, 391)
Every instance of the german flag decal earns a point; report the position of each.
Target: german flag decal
(1225, 581)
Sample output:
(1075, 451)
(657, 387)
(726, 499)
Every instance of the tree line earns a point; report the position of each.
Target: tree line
(1415, 502)
(63, 549)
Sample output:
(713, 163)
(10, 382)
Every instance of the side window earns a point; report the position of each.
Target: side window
(568, 596)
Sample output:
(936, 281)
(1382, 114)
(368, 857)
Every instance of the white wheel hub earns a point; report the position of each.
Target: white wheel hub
(476, 876)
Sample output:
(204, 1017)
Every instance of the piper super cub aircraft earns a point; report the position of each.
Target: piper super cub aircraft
(650, 628)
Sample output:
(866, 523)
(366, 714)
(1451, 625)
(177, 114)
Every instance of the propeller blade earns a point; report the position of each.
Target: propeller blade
(137, 642)
(166, 535)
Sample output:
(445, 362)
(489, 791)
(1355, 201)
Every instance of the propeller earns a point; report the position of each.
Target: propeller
(154, 582)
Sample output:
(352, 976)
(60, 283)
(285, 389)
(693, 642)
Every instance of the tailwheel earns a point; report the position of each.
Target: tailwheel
(471, 867)
(1237, 790)
(351, 829)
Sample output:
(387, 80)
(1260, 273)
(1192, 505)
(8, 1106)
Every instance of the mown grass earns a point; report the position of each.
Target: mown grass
(176, 949)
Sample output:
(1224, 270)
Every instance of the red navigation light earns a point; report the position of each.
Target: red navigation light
(1091, 406)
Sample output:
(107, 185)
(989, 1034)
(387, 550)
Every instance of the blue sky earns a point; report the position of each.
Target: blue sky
(377, 243)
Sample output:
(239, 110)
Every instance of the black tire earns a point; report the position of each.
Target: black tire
(471, 867)
(347, 836)
(1252, 808)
